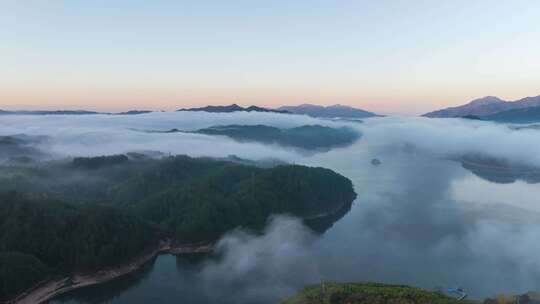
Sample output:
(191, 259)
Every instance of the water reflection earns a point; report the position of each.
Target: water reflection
(417, 220)
(502, 173)
(163, 280)
(114, 290)
(414, 229)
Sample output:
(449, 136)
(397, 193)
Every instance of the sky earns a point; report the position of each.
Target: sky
(391, 57)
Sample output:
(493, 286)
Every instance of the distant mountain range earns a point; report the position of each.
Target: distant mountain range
(334, 112)
(328, 112)
(70, 112)
(231, 108)
(57, 112)
(525, 116)
(490, 107)
(133, 112)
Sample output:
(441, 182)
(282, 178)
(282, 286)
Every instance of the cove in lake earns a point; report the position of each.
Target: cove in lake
(418, 220)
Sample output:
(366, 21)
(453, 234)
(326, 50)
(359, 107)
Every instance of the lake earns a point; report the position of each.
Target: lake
(418, 219)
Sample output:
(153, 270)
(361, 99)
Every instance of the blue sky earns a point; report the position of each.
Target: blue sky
(386, 56)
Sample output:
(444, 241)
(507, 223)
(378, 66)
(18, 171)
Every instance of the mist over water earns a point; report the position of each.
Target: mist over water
(88, 135)
(414, 227)
(254, 269)
(419, 218)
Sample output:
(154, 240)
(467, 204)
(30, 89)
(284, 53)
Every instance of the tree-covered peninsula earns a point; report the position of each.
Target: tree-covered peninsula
(86, 214)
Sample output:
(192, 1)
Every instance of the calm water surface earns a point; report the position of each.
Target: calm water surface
(417, 220)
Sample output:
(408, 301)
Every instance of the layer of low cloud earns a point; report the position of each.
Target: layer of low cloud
(455, 137)
(106, 134)
(92, 135)
(411, 230)
(416, 230)
(409, 225)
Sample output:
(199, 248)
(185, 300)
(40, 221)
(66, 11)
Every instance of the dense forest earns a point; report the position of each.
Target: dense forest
(39, 238)
(88, 213)
(237, 195)
(18, 271)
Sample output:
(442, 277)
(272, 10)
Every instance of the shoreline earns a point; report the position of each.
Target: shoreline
(49, 289)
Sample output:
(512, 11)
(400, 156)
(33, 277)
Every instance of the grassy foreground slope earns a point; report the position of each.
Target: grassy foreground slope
(368, 293)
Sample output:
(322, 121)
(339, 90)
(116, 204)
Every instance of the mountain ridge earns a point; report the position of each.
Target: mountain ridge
(484, 106)
(332, 111)
(69, 112)
(522, 115)
(231, 108)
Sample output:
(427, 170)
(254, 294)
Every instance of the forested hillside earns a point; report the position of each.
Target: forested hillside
(89, 213)
(237, 195)
(18, 271)
(39, 238)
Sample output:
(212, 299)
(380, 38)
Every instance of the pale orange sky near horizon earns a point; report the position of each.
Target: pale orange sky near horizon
(389, 57)
(116, 100)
